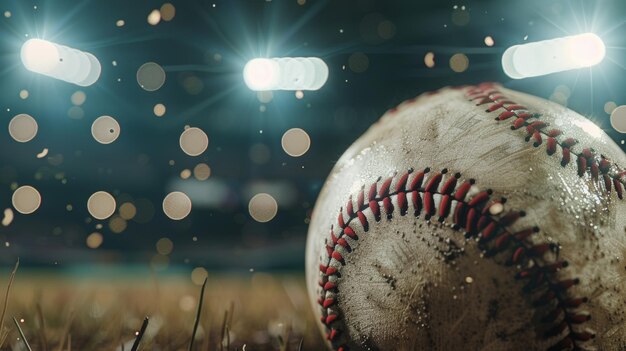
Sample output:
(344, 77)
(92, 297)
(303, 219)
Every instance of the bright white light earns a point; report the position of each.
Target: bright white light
(94, 71)
(285, 73)
(39, 55)
(587, 50)
(261, 74)
(321, 73)
(60, 62)
(589, 127)
(555, 55)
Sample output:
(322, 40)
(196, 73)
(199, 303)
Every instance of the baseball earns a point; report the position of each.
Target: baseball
(473, 218)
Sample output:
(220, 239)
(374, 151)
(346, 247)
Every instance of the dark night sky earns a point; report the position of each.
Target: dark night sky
(206, 46)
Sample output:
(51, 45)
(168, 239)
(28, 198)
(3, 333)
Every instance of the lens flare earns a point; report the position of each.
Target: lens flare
(285, 73)
(60, 62)
(551, 56)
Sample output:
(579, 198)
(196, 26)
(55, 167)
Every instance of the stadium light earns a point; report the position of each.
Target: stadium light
(285, 73)
(60, 62)
(551, 56)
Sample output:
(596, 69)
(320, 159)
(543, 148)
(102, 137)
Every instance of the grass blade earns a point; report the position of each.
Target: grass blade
(227, 339)
(19, 329)
(66, 330)
(144, 325)
(43, 341)
(224, 326)
(6, 299)
(195, 324)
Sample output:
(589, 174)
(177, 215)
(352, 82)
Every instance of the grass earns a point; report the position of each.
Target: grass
(254, 312)
(140, 334)
(19, 329)
(5, 332)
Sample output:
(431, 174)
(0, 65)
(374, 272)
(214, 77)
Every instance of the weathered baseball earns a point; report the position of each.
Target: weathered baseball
(473, 218)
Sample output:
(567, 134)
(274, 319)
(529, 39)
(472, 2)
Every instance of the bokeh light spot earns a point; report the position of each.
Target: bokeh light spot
(26, 199)
(185, 174)
(105, 129)
(8, 217)
(265, 96)
(164, 246)
(618, 119)
(43, 153)
(23, 128)
(198, 275)
(296, 142)
(117, 224)
(429, 59)
(128, 211)
(159, 110)
(202, 171)
(459, 62)
(176, 205)
(168, 11)
(386, 29)
(187, 303)
(94, 240)
(101, 205)
(154, 17)
(76, 112)
(263, 207)
(151, 76)
(193, 141)
(609, 106)
(78, 98)
(358, 62)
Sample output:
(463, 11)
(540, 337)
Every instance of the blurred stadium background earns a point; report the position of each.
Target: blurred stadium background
(379, 54)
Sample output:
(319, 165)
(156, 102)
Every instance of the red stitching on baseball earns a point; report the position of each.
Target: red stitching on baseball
(587, 162)
(472, 214)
